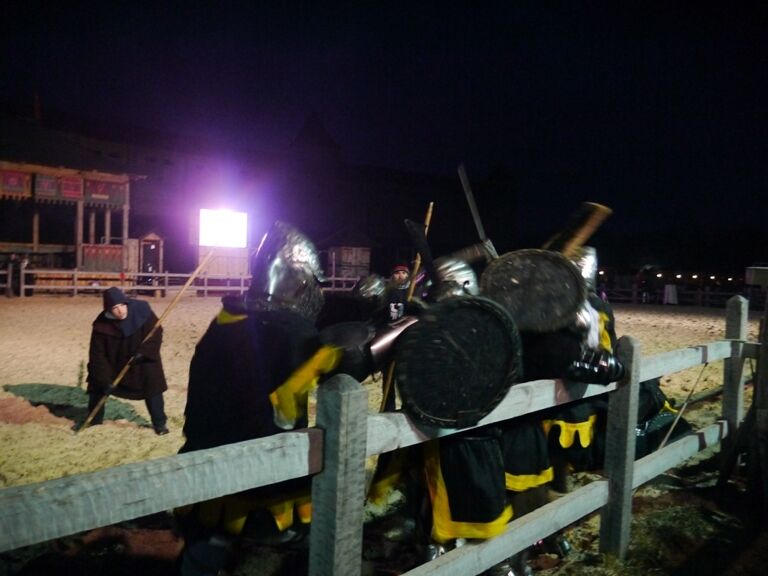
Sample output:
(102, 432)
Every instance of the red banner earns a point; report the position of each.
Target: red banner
(106, 193)
(71, 187)
(15, 184)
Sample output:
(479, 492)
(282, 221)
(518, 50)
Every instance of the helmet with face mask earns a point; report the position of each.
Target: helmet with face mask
(286, 273)
(457, 278)
(585, 259)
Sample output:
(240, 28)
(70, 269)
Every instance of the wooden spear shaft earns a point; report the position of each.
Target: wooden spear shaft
(411, 288)
(128, 364)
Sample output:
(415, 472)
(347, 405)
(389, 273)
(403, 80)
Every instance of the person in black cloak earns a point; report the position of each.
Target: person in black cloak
(117, 336)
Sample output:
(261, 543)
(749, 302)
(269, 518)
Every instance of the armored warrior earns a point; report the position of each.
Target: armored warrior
(249, 378)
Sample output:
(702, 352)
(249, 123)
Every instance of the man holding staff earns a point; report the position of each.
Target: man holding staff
(118, 337)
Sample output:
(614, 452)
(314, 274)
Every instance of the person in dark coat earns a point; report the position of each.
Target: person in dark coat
(118, 335)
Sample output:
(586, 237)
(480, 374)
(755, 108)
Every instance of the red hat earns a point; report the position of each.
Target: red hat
(400, 268)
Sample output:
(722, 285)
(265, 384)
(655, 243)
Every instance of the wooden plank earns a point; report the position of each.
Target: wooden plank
(393, 430)
(476, 557)
(758, 447)
(736, 319)
(677, 360)
(674, 454)
(338, 492)
(616, 516)
(40, 512)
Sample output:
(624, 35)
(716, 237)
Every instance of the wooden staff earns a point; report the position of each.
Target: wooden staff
(580, 227)
(411, 288)
(131, 360)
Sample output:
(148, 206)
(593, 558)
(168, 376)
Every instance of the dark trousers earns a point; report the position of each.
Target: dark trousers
(155, 406)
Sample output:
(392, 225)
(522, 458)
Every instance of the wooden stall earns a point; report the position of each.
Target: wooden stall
(94, 195)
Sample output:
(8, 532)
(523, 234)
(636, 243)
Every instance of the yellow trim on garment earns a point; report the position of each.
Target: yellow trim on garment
(569, 430)
(443, 527)
(605, 337)
(523, 482)
(225, 317)
(289, 401)
(230, 513)
(385, 484)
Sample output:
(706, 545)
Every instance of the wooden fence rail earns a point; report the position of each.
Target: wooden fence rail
(334, 451)
(74, 282)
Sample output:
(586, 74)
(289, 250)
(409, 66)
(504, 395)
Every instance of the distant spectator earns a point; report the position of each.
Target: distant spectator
(14, 275)
(397, 291)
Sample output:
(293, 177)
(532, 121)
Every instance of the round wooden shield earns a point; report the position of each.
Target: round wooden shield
(456, 363)
(542, 290)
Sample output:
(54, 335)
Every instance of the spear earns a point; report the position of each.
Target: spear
(416, 265)
(132, 359)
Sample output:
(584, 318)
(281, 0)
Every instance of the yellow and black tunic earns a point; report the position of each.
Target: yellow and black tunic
(249, 378)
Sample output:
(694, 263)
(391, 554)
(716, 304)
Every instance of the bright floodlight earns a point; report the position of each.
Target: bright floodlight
(223, 228)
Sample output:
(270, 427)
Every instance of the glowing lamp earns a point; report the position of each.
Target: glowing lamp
(224, 228)
(659, 275)
(678, 275)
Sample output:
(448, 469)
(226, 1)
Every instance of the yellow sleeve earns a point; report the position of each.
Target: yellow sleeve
(289, 401)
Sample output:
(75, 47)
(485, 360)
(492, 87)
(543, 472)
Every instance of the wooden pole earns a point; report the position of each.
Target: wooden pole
(616, 516)
(390, 375)
(157, 325)
(338, 492)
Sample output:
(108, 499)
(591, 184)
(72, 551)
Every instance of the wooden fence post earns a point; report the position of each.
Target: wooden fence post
(338, 492)
(758, 453)
(616, 516)
(736, 317)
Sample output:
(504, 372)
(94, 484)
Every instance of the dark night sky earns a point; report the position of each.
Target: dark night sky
(658, 111)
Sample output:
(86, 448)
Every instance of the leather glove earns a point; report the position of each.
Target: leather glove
(596, 367)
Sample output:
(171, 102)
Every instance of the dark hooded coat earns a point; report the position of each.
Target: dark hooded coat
(114, 342)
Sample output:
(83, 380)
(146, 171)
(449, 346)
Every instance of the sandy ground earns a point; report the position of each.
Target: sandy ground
(44, 340)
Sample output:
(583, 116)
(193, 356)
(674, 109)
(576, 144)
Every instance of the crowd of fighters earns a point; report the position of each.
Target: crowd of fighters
(452, 340)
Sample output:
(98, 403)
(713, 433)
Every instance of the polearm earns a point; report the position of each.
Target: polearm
(411, 288)
(131, 360)
(476, 213)
(417, 261)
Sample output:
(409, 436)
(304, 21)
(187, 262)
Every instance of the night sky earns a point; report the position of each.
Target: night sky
(658, 111)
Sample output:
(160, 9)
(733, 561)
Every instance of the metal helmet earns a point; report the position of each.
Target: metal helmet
(585, 259)
(286, 273)
(457, 278)
(371, 287)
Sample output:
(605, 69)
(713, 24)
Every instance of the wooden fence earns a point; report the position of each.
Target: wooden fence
(74, 282)
(335, 451)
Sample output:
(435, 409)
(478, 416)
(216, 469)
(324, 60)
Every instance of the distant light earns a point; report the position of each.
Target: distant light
(711, 277)
(224, 228)
(730, 279)
(695, 276)
(601, 272)
(659, 275)
(678, 275)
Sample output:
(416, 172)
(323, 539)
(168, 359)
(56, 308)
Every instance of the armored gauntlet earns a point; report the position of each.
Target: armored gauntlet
(596, 367)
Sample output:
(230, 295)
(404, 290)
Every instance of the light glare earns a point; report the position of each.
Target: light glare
(224, 228)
